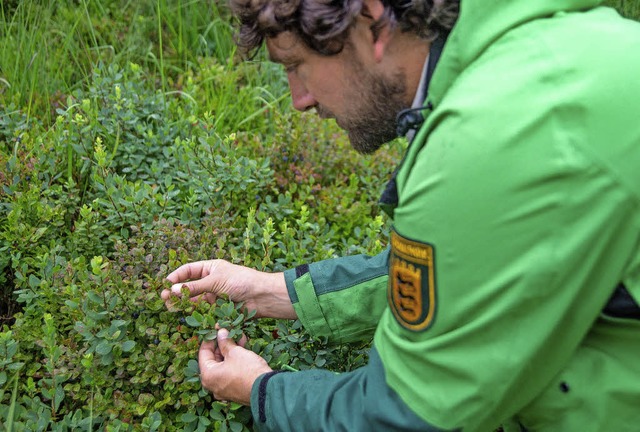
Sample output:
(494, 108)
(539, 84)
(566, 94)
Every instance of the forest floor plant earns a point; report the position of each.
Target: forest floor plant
(132, 140)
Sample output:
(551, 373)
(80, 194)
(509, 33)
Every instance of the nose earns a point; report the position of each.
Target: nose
(301, 98)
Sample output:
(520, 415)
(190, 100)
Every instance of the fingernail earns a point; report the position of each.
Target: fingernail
(223, 334)
(176, 288)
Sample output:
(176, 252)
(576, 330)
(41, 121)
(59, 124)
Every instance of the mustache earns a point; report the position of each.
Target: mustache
(324, 113)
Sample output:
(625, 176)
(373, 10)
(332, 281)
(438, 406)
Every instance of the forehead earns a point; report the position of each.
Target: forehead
(285, 47)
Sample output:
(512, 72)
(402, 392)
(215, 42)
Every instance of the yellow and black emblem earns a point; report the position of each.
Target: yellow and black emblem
(412, 294)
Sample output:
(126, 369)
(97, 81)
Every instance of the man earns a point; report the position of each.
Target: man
(510, 291)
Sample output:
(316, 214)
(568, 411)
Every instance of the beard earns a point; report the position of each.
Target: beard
(376, 99)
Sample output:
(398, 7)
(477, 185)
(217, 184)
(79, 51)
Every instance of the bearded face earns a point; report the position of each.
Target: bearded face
(363, 100)
(375, 101)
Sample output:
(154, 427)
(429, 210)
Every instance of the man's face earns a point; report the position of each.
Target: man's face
(345, 87)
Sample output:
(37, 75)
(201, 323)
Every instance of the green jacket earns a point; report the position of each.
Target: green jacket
(510, 293)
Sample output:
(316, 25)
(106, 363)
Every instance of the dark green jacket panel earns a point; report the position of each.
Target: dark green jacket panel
(341, 298)
(319, 400)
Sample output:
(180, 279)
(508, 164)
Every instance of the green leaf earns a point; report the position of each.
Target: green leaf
(97, 316)
(128, 346)
(107, 359)
(215, 414)
(34, 282)
(103, 348)
(235, 426)
(119, 323)
(94, 297)
(46, 393)
(141, 409)
(211, 320)
(15, 366)
(188, 417)
(59, 397)
(156, 419)
(238, 320)
(193, 322)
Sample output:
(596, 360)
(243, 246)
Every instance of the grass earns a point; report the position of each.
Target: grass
(48, 50)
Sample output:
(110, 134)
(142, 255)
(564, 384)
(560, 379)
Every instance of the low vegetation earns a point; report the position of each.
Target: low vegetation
(134, 139)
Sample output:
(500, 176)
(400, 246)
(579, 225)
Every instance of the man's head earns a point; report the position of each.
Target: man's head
(323, 25)
(358, 61)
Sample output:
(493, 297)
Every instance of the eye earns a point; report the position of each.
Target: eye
(291, 68)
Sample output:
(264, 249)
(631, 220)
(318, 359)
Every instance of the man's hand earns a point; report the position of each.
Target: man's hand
(229, 370)
(264, 292)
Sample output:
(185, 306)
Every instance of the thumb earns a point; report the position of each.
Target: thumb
(225, 343)
(206, 354)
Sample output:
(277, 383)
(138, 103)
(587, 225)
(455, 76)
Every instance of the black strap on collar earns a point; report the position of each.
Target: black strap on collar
(412, 118)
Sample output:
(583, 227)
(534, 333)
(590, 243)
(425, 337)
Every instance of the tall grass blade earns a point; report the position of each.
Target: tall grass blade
(12, 407)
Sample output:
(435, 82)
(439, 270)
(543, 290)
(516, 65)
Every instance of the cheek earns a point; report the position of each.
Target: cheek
(295, 84)
(319, 76)
(327, 87)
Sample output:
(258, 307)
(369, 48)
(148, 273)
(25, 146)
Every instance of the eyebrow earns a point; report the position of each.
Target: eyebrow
(282, 56)
(281, 59)
(274, 59)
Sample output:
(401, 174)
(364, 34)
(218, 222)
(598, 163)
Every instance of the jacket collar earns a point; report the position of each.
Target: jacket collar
(410, 120)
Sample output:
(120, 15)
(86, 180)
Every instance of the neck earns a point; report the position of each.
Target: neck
(411, 53)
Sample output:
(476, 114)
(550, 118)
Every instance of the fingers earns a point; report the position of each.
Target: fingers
(218, 355)
(170, 298)
(165, 294)
(212, 352)
(170, 295)
(197, 291)
(194, 270)
(208, 297)
(197, 287)
(206, 355)
(198, 274)
(225, 343)
(243, 341)
(227, 370)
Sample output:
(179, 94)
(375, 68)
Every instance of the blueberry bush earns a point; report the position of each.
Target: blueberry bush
(133, 139)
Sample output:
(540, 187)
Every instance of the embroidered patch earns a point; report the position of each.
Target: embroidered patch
(412, 290)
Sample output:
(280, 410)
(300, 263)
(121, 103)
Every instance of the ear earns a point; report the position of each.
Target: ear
(373, 10)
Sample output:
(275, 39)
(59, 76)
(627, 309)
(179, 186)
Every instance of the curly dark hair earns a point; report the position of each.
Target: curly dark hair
(323, 25)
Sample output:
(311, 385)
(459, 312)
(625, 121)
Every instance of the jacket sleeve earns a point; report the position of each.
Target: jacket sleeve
(340, 298)
(319, 400)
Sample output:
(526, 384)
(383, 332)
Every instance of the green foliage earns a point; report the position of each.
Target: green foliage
(627, 8)
(121, 160)
(133, 140)
(96, 334)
